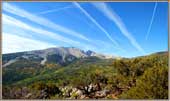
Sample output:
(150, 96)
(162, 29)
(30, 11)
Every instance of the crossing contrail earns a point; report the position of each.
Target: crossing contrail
(150, 25)
(115, 18)
(56, 10)
(98, 25)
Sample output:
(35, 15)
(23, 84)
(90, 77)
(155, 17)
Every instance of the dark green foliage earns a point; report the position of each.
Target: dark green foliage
(20, 70)
(152, 85)
(55, 58)
(50, 89)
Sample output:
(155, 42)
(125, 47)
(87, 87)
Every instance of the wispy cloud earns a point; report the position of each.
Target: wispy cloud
(151, 21)
(97, 24)
(56, 10)
(110, 14)
(8, 20)
(16, 30)
(15, 22)
(41, 21)
(13, 43)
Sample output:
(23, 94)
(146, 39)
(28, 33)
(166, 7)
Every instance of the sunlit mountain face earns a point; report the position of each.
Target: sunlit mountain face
(84, 50)
(60, 55)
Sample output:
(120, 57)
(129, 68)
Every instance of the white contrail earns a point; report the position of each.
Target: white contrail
(8, 20)
(150, 25)
(110, 14)
(97, 24)
(41, 21)
(13, 21)
(55, 10)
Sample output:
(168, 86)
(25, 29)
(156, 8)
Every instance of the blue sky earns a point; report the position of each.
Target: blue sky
(126, 29)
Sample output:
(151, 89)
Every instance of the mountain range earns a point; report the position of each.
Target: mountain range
(60, 55)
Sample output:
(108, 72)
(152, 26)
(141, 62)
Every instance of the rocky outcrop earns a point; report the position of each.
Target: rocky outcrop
(94, 93)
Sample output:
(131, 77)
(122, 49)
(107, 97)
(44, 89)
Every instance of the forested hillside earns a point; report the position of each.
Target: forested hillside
(91, 77)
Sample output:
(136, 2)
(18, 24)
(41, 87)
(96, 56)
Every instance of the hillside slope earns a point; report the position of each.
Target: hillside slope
(87, 78)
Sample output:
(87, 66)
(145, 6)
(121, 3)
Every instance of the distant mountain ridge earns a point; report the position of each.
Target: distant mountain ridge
(58, 55)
